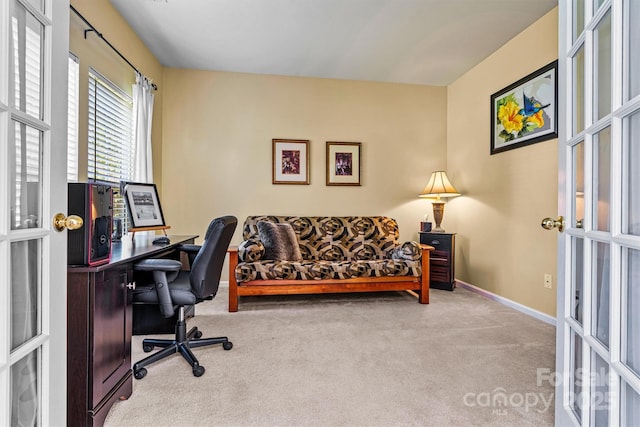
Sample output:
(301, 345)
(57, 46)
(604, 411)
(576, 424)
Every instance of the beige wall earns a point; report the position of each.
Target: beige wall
(500, 244)
(93, 52)
(217, 132)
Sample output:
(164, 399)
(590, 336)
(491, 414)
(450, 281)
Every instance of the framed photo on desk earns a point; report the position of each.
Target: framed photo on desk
(143, 204)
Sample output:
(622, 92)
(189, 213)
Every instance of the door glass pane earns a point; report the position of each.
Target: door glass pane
(632, 48)
(578, 92)
(38, 4)
(631, 322)
(578, 179)
(599, 402)
(26, 189)
(577, 293)
(596, 5)
(630, 406)
(576, 376)
(578, 18)
(600, 304)
(26, 280)
(26, 41)
(602, 177)
(631, 130)
(25, 403)
(602, 87)
(72, 120)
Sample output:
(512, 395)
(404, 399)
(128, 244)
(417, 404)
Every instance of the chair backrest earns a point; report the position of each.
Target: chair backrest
(207, 266)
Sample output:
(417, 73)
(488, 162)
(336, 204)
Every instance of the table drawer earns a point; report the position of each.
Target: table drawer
(439, 243)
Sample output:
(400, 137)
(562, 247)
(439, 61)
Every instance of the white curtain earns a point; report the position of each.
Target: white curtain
(142, 119)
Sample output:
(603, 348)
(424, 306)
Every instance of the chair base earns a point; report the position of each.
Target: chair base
(183, 343)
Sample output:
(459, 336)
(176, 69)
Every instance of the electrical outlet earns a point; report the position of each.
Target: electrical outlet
(548, 281)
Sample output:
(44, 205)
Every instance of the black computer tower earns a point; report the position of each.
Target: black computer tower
(91, 243)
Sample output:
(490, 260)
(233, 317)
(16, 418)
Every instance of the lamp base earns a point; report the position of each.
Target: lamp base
(438, 213)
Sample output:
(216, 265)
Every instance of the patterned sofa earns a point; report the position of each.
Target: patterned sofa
(338, 254)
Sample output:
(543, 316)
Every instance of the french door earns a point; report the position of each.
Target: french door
(598, 339)
(33, 94)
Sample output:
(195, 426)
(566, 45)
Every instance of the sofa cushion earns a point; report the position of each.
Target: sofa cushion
(319, 270)
(280, 241)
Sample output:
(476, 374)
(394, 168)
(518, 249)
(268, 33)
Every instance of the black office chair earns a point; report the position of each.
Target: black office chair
(171, 288)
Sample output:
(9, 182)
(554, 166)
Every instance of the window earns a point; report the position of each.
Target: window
(72, 124)
(111, 147)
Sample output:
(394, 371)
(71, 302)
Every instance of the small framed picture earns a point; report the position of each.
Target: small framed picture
(290, 161)
(143, 204)
(343, 163)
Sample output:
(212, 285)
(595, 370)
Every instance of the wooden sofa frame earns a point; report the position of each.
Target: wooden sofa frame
(420, 285)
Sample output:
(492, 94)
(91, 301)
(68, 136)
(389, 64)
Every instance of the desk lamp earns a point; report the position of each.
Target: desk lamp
(437, 187)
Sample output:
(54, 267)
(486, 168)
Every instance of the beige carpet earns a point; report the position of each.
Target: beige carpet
(354, 360)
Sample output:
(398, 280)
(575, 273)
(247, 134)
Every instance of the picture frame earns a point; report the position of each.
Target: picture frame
(290, 161)
(343, 163)
(143, 204)
(525, 112)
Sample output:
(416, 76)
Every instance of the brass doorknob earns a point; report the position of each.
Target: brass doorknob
(550, 223)
(72, 222)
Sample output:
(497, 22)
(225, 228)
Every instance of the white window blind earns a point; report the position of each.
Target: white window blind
(111, 147)
(72, 122)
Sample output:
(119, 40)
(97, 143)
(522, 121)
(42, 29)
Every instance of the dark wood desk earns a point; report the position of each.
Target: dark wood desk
(99, 328)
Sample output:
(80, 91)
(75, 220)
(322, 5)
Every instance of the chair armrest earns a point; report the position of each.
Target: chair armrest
(158, 264)
(164, 271)
(189, 248)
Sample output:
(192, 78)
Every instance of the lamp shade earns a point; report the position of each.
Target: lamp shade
(439, 186)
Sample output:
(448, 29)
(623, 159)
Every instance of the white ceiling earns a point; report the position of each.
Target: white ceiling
(430, 42)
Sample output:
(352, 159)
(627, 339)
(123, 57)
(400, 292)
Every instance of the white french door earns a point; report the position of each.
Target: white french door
(598, 329)
(34, 44)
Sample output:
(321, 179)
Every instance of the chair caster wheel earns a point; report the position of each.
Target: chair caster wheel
(197, 335)
(140, 373)
(227, 345)
(198, 371)
(147, 348)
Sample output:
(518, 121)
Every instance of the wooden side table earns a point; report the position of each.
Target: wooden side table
(442, 259)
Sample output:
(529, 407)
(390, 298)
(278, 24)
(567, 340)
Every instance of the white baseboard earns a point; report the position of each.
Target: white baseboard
(505, 301)
(223, 284)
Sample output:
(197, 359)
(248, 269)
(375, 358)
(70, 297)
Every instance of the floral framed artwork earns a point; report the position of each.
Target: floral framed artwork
(526, 112)
(143, 204)
(290, 161)
(343, 163)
